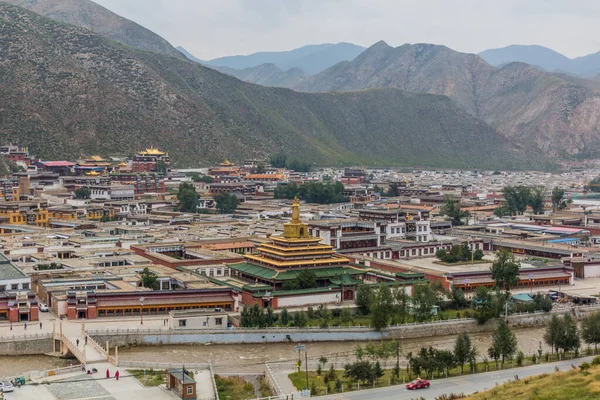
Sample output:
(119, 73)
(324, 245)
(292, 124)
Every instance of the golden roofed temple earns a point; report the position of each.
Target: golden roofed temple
(152, 151)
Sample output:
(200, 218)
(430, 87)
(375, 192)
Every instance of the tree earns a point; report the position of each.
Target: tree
(516, 199)
(536, 199)
(188, 198)
(542, 302)
(284, 317)
(393, 190)
(569, 340)
(401, 303)
(364, 295)
(463, 350)
(504, 341)
(382, 307)
(505, 270)
(594, 184)
(306, 279)
(458, 297)
(259, 168)
(149, 279)
(226, 203)
(451, 210)
(83, 193)
(278, 160)
(478, 254)
(502, 211)
(161, 167)
(558, 200)
(206, 179)
(590, 329)
(423, 299)
(553, 333)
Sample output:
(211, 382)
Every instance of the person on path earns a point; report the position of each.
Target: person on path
(77, 342)
(117, 375)
(107, 373)
(164, 322)
(83, 367)
(25, 325)
(40, 325)
(86, 340)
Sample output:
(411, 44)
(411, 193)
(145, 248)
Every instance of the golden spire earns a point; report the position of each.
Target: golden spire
(295, 229)
(296, 211)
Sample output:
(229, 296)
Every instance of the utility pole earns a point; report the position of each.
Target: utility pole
(306, 360)
(182, 381)
(397, 360)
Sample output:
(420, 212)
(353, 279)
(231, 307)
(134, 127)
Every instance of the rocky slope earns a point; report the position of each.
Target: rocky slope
(555, 113)
(66, 92)
(92, 16)
(267, 75)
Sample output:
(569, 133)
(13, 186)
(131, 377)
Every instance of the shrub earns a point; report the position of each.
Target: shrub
(596, 360)
(585, 366)
(520, 357)
(533, 358)
(338, 385)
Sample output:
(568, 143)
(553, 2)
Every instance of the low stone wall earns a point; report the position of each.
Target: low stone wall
(127, 337)
(28, 345)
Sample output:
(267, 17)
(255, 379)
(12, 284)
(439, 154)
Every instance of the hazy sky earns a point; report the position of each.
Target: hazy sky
(214, 28)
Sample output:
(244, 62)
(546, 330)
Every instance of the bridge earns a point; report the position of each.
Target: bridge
(87, 352)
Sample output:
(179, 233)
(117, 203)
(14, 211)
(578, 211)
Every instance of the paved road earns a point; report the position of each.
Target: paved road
(466, 384)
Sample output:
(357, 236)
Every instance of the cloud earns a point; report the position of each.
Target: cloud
(214, 28)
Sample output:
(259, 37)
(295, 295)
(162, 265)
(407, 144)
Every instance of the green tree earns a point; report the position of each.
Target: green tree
(505, 270)
(502, 211)
(516, 199)
(536, 199)
(424, 298)
(364, 296)
(346, 316)
(259, 168)
(161, 167)
(306, 279)
(478, 254)
(459, 300)
(149, 279)
(504, 341)
(590, 329)
(482, 303)
(594, 184)
(206, 179)
(83, 193)
(188, 198)
(558, 199)
(226, 203)
(463, 350)
(284, 317)
(382, 307)
(569, 340)
(401, 305)
(278, 160)
(451, 210)
(393, 190)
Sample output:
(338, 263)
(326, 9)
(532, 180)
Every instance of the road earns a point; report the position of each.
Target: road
(466, 384)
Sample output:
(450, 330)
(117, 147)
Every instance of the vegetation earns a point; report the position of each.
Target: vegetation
(45, 267)
(149, 279)
(161, 167)
(226, 203)
(280, 160)
(575, 384)
(463, 352)
(234, 388)
(518, 198)
(590, 329)
(306, 279)
(188, 198)
(505, 270)
(562, 334)
(451, 210)
(459, 253)
(504, 343)
(558, 199)
(312, 192)
(148, 377)
(83, 193)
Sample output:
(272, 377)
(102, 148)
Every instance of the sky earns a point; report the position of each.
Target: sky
(214, 28)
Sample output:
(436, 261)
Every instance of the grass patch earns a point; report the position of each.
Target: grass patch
(234, 388)
(148, 377)
(265, 390)
(465, 262)
(570, 385)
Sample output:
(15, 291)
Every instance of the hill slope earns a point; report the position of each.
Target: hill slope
(267, 75)
(557, 114)
(310, 59)
(68, 92)
(92, 16)
(189, 55)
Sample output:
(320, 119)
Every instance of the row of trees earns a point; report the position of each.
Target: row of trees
(459, 253)
(281, 160)
(518, 198)
(367, 368)
(312, 192)
(226, 203)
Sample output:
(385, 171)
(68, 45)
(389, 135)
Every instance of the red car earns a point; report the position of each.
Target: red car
(418, 384)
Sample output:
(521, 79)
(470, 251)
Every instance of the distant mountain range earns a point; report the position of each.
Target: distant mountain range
(78, 93)
(548, 59)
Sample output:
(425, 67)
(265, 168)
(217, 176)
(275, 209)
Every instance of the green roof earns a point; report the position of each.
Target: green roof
(268, 273)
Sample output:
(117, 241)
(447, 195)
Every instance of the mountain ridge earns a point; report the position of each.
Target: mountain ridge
(81, 94)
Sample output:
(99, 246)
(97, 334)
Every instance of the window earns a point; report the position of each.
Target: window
(204, 323)
(26, 286)
(183, 322)
(218, 321)
(190, 389)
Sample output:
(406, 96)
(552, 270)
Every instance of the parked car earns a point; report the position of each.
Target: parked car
(43, 307)
(6, 386)
(418, 384)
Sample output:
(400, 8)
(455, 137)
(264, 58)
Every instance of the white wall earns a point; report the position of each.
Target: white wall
(304, 300)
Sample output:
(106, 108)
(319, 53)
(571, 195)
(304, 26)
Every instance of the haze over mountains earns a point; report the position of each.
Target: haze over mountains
(67, 92)
(543, 57)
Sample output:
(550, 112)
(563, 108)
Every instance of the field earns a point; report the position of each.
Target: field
(148, 377)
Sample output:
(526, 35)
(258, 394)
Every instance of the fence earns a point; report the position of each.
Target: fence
(17, 338)
(271, 381)
(163, 365)
(80, 355)
(30, 375)
(214, 383)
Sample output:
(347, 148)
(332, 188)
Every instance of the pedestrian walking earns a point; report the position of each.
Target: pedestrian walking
(164, 322)
(77, 342)
(107, 373)
(25, 325)
(117, 375)
(86, 340)
(40, 325)
(83, 367)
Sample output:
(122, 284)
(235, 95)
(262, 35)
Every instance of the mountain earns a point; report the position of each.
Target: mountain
(92, 16)
(550, 60)
(67, 92)
(556, 113)
(310, 59)
(267, 75)
(539, 56)
(189, 55)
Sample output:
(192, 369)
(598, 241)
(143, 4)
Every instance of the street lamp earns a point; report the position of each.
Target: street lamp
(531, 283)
(142, 310)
